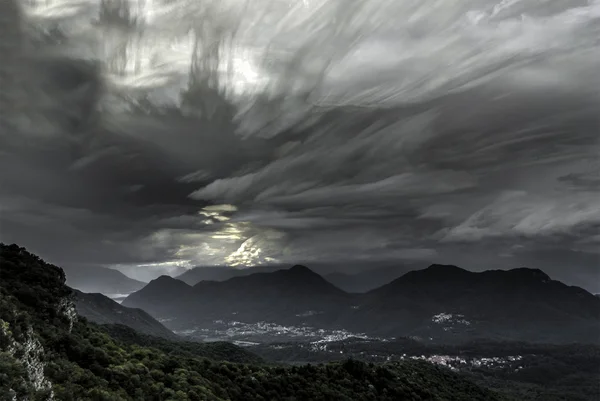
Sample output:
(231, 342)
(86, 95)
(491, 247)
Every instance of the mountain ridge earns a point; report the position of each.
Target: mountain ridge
(222, 273)
(493, 302)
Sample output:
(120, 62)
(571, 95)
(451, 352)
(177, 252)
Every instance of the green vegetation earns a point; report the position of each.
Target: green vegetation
(83, 362)
(219, 351)
(541, 371)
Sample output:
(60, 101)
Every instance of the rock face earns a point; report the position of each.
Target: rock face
(33, 300)
(32, 356)
(67, 309)
(29, 354)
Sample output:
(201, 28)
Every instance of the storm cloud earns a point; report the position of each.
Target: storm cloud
(163, 135)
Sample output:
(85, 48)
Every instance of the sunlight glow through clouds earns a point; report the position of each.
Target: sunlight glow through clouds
(325, 119)
(220, 241)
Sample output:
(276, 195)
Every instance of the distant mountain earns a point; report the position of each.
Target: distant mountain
(93, 279)
(100, 309)
(279, 295)
(368, 279)
(160, 296)
(147, 273)
(447, 301)
(222, 273)
(441, 303)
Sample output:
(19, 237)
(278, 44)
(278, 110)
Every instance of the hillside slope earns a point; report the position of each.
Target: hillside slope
(46, 353)
(103, 310)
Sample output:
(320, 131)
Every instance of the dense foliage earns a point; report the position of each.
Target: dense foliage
(220, 351)
(541, 371)
(84, 362)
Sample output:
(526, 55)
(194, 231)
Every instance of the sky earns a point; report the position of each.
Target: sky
(161, 135)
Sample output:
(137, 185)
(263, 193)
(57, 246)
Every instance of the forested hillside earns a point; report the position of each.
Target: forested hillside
(46, 352)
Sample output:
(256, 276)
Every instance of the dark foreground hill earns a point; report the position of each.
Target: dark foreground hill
(103, 310)
(46, 353)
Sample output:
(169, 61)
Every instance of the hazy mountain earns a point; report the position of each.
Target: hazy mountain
(222, 273)
(147, 273)
(444, 303)
(350, 276)
(94, 279)
(103, 310)
(366, 280)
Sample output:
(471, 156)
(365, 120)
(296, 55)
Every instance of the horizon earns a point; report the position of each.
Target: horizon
(327, 269)
(585, 279)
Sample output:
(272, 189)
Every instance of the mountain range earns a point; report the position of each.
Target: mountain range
(440, 303)
(343, 275)
(278, 296)
(520, 304)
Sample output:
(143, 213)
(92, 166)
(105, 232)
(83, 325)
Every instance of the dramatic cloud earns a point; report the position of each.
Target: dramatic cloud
(154, 136)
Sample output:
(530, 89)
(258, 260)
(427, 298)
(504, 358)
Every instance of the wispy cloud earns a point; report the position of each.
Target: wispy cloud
(125, 132)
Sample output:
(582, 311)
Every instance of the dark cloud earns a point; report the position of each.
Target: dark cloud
(464, 136)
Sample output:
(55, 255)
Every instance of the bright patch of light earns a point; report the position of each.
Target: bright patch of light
(220, 208)
(246, 255)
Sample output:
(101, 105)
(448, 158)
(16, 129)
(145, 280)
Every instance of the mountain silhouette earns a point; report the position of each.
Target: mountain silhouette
(520, 302)
(442, 302)
(159, 296)
(278, 295)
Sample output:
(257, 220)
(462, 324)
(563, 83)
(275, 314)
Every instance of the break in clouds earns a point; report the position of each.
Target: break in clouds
(168, 134)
